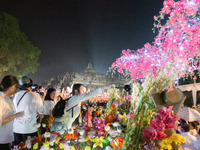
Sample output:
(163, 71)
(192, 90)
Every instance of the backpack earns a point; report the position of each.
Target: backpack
(58, 110)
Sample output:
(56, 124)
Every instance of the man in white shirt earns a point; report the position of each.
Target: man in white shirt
(30, 103)
(191, 141)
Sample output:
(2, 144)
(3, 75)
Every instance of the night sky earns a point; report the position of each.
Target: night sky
(72, 33)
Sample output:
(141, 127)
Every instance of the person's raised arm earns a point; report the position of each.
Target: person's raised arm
(74, 100)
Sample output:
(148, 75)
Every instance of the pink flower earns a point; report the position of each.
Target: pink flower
(99, 124)
(91, 133)
(160, 117)
(149, 133)
(101, 133)
(115, 103)
(168, 120)
(164, 112)
(157, 125)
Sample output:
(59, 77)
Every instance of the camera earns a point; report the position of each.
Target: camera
(128, 88)
(34, 87)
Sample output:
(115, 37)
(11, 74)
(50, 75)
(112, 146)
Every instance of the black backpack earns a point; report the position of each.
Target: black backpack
(58, 110)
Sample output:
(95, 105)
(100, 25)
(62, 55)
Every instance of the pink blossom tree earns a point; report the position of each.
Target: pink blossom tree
(177, 42)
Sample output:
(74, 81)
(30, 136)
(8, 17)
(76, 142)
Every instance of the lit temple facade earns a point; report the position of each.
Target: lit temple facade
(89, 78)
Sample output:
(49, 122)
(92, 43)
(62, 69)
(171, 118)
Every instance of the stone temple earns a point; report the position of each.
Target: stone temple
(89, 78)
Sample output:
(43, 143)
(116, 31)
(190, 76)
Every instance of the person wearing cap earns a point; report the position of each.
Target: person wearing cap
(8, 87)
(29, 102)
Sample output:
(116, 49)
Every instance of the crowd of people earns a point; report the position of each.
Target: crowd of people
(23, 107)
(190, 130)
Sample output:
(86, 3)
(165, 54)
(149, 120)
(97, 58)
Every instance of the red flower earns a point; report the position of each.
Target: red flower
(163, 112)
(158, 125)
(149, 133)
(71, 136)
(22, 144)
(161, 135)
(160, 117)
(58, 134)
(168, 120)
(169, 126)
(117, 142)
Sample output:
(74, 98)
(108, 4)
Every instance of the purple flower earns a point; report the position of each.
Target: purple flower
(115, 103)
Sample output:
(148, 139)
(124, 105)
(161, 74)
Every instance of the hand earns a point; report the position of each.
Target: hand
(19, 114)
(10, 145)
(106, 88)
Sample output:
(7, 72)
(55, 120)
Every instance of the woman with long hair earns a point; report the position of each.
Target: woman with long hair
(48, 104)
(8, 87)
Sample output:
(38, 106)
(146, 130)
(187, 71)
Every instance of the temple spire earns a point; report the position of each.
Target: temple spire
(89, 68)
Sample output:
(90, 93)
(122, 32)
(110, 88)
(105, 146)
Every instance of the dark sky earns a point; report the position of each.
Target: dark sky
(72, 33)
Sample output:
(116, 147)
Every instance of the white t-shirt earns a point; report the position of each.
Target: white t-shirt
(31, 103)
(6, 109)
(191, 141)
(48, 105)
(73, 101)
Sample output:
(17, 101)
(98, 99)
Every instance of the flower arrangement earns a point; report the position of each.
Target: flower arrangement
(142, 127)
(143, 106)
(158, 127)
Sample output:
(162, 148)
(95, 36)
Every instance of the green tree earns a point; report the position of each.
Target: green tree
(17, 55)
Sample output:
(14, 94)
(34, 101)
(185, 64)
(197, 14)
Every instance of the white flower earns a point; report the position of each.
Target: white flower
(68, 148)
(47, 134)
(43, 125)
(28, 142)
(108, 147)
(137, 104)
(81, 139)
(62, 132)
(51, 143)
(45, 147)
(71, 131)
(107, 128)
(82, 132)
(119, 130)
(29, 138)
(110, 138)
(120, 103)
(116, 124)
(37, 125)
